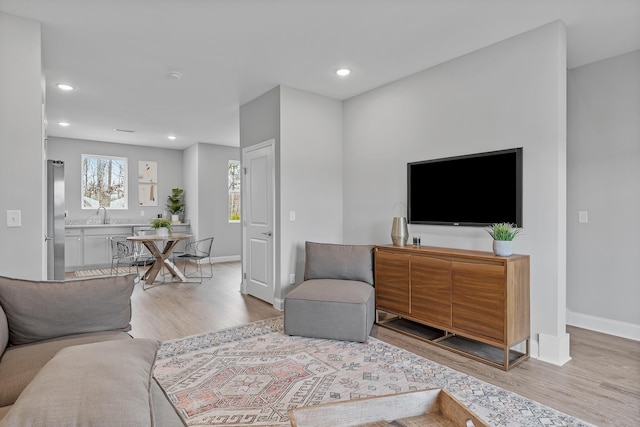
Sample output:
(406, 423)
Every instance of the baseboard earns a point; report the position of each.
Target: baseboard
(553, 349)
(278, 304)
(606, 326)
(229, 258)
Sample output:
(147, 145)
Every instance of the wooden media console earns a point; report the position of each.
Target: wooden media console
(471, 302)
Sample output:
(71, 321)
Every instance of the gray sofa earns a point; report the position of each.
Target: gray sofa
(67, 360)
(336, 299)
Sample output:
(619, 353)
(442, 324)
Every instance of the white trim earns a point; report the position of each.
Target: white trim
(228, 258)
(553, 349)
(278, 304)
(606, 326)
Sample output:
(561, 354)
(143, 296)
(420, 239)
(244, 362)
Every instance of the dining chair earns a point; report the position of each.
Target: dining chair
(144, 258)
(122, 252)
(197, 252)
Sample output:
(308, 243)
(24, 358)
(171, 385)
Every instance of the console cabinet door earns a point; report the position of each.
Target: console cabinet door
(478, 298)
(431, 290)
(392, 281)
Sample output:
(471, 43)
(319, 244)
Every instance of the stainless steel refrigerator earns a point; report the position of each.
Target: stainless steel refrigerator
(55, 220)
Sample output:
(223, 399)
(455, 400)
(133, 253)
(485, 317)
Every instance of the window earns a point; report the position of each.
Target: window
(104, 182)
(234, 191)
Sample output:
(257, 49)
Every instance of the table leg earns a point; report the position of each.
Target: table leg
(151, 274)
(162, 259)
(173, 269)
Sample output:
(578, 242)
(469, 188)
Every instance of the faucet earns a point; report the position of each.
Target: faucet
(104, 220)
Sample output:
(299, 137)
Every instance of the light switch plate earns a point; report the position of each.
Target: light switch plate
(14, 218)
(583, 217)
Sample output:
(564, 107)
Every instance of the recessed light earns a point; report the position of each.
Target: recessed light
(343, 72)
(64, 124)
(171, 137)
(65, 86)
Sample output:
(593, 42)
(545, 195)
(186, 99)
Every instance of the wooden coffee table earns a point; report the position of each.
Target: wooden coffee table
(425, 408)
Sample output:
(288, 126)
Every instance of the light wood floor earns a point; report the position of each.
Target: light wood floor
(600, 385)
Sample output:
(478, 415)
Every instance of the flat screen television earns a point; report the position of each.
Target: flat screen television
(472, 190)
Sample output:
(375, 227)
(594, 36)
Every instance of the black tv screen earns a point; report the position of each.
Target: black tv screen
(472, 190)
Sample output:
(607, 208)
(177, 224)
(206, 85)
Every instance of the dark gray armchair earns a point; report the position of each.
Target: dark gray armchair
(336, 299)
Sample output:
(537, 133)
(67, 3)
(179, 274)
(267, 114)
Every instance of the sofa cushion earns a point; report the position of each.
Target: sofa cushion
(332, 261)
(101, 384)
(20, 364)
(4, 410)
(39, 310)
(4, 331)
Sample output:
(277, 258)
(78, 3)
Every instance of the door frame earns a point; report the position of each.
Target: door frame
(245, 204)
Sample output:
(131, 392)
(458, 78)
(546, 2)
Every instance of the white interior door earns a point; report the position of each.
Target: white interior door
(258, 221)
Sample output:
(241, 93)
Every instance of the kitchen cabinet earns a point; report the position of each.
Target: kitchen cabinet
(72, 249)
(97, 244)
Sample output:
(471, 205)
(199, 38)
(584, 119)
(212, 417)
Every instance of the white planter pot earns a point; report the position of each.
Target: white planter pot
(503, 247)
(162, 231)
(175, 218)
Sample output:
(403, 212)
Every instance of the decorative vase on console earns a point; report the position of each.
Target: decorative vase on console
(503, 234)
(399, 229)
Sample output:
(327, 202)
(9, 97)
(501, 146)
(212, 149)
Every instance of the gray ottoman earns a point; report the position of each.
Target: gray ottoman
(330, 308)
(336, 300)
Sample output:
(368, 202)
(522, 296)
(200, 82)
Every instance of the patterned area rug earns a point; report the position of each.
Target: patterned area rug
(253, 374)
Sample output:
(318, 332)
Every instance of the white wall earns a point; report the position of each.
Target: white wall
(311, 171)
(260, 122)
(169, 163)
(307, 129)
(22, 175)
(603, 262)
(511, 94)
(213, 196)
(191, 186)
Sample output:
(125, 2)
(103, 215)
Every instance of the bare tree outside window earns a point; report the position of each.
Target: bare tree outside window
(104, 182)
(234, 191)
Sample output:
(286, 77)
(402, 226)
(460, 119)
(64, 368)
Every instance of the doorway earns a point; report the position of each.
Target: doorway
(258, 203)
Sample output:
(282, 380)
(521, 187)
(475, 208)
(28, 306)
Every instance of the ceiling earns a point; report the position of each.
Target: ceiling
(118, 53)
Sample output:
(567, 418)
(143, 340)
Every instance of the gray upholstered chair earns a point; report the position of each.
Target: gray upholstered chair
(336, 299)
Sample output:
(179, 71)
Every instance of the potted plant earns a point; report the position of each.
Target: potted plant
(175, 204)
(503, 234)
(162, 226)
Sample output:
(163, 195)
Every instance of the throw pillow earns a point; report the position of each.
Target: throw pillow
(4, 331)
(39, 310)
(101, 385)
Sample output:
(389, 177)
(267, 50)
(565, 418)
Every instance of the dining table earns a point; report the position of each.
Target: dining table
(161, 256)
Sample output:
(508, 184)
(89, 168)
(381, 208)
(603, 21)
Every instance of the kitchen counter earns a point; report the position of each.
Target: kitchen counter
(88, 241)
(114, 223)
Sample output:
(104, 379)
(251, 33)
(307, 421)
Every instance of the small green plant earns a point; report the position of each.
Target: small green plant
(175, 202)
(504, 231)
(161, 222)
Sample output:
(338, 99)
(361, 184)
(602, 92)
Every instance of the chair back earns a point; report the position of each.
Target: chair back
(202, 248)
(120, 247)
(123, 250)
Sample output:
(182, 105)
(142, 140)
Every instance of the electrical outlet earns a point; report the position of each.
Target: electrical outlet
(292, 279)
(14, 219)
(141, 213)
